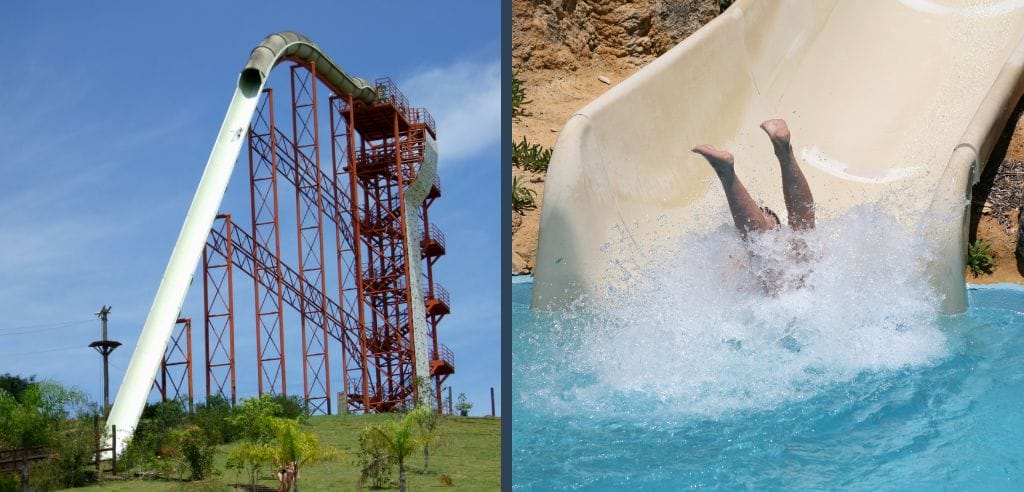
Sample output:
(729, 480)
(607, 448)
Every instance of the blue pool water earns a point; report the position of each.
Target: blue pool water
(949, 419)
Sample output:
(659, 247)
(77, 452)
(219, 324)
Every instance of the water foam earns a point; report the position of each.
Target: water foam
(696, 334)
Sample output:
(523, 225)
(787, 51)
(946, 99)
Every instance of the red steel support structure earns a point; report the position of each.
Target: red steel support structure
(176, 368)
(309, 219)
(270, 356)
(219, 309)
(346, 226)
(376, 152)
(383, 145)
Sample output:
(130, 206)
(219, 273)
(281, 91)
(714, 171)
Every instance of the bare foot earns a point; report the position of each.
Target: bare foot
(720, 160)
(777, 130)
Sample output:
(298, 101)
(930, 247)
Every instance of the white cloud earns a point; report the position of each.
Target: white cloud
(465, 100)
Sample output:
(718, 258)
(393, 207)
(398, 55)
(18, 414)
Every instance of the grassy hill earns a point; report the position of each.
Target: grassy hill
(471, 458)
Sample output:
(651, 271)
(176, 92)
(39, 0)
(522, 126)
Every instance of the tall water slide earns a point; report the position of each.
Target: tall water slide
(170, 296)
(897, 102)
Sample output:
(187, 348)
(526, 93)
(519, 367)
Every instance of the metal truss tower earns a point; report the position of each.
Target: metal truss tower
(370, 193)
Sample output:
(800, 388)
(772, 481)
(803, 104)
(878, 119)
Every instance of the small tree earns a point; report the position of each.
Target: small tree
(196, 451)
(431, 435)
(296, 448)
(374, 463)
(257, 419)
(398, 439)
(16, 385)
(463, 405)
(251, 458)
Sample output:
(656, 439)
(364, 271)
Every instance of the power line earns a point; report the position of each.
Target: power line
(51, 328)
(15, 354)
(55, 324)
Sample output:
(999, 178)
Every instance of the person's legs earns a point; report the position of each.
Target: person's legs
(799, 202)
(745, 213)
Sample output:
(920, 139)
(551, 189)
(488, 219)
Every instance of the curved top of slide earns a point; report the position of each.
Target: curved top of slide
(288, 45)
(884, 98)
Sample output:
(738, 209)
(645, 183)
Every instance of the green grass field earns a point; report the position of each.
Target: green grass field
(471, 457)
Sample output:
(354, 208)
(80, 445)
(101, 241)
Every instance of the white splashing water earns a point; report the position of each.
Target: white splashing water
(698, 335)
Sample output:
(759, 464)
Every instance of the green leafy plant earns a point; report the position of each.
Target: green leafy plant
(297, 448)
(429, 421)
(980, 258)
(399, 439)
(196, 452)
(292, 407)
(519, 100)
(256, 418)
(522, 197)
(463, 405)
(35, 419)
(374, 463)
(251, 458)
(215, 418)
(531, 157)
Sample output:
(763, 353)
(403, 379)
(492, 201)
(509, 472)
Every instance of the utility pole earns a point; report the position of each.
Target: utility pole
(492, 401)
(105, 347)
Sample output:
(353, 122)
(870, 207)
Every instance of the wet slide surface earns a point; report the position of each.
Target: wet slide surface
(890, 102)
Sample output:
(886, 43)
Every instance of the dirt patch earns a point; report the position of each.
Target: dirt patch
(996, 202)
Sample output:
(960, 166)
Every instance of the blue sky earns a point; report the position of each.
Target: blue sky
(107, 117)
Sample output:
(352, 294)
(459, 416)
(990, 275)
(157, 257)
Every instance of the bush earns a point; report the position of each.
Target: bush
(374, 464)
(74, 453)
(153, 448)
(463, 405)
(256, 419)
(196, 452)
(531, 157)
(16, 385)
(214, 418)
(292, 407)
(9, 482)
(979, 257)
(522, 197)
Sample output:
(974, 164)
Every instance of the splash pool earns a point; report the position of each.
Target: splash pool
(860, 386)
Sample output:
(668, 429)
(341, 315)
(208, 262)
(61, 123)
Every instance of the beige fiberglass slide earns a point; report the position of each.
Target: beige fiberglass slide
(892, 100)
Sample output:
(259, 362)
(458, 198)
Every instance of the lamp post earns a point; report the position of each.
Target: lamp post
(105, 347)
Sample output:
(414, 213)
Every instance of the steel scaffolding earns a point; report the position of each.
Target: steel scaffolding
(375, 309)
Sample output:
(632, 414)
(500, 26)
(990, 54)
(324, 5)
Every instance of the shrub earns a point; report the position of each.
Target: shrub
(73, 454)
(374, 463)
(214, 418)
(292, 407)
(522, 197)
(251, 458)
(531, 157)
(9, 482)
(16, 385)
(463, 405)
(979, 257)
(196, 452)
(256, 419)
